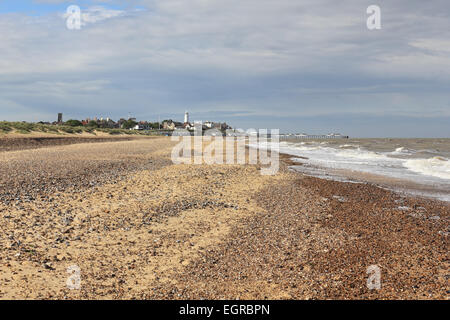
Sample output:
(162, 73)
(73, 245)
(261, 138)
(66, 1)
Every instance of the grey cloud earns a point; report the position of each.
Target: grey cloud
(268, 58)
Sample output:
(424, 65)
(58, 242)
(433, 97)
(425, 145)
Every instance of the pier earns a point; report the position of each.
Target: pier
(311, 136)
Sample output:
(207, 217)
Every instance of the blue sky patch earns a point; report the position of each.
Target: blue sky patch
(36, 8)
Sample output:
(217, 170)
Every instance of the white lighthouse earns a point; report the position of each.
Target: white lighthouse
(186, 117)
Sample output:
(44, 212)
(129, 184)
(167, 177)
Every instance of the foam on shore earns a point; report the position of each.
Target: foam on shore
(425, 173)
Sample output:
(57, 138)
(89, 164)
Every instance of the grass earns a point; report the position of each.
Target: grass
(4, 127)
(114, 132)
(28, 127)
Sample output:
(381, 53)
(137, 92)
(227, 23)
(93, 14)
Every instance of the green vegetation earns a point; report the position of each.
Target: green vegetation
(69, 127)
(129, 124)
(92, 124)
(66, 129)
(73, 123)
(155, 125)
(89, 129)
(21, 127)
(115, 131)
(4, 127)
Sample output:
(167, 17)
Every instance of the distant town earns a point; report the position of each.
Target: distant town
(165, 127)
(133, 124)
(171, 126)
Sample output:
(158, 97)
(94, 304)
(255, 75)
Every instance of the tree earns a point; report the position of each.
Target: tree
(154, 125)
(73, 123)
(129, 124)
(92, 124)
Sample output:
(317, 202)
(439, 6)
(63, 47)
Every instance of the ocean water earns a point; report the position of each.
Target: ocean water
(417, 166)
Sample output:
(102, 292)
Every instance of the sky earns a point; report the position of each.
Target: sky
(296, 65)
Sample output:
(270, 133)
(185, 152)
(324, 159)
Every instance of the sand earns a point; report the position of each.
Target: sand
(139, 227)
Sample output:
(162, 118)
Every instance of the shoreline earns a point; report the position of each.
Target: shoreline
(140, 227)
(402, 187)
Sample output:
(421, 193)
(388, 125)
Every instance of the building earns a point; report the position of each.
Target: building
(186, 117)
(168, 125)
(106, 123)
(172, 125)
(60, 118)
(215, 125)
(120, 123)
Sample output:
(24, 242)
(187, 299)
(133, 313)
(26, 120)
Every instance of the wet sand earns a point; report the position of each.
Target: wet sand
(139, 227)
(400, 186)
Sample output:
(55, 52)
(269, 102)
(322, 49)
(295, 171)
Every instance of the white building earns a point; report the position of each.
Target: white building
(186, 117)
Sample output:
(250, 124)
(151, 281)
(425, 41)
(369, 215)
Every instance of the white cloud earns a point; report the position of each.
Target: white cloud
(439, 46)
(247, 55)
(96, 14)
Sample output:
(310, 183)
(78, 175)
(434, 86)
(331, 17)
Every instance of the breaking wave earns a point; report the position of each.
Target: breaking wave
(436, 167)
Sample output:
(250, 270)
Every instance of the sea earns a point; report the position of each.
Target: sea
(419, 167)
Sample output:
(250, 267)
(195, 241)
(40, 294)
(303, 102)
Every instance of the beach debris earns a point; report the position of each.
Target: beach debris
(48, 266)
(340, 198)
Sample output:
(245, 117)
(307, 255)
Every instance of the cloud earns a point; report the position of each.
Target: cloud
(270, 58)
(96, 14)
